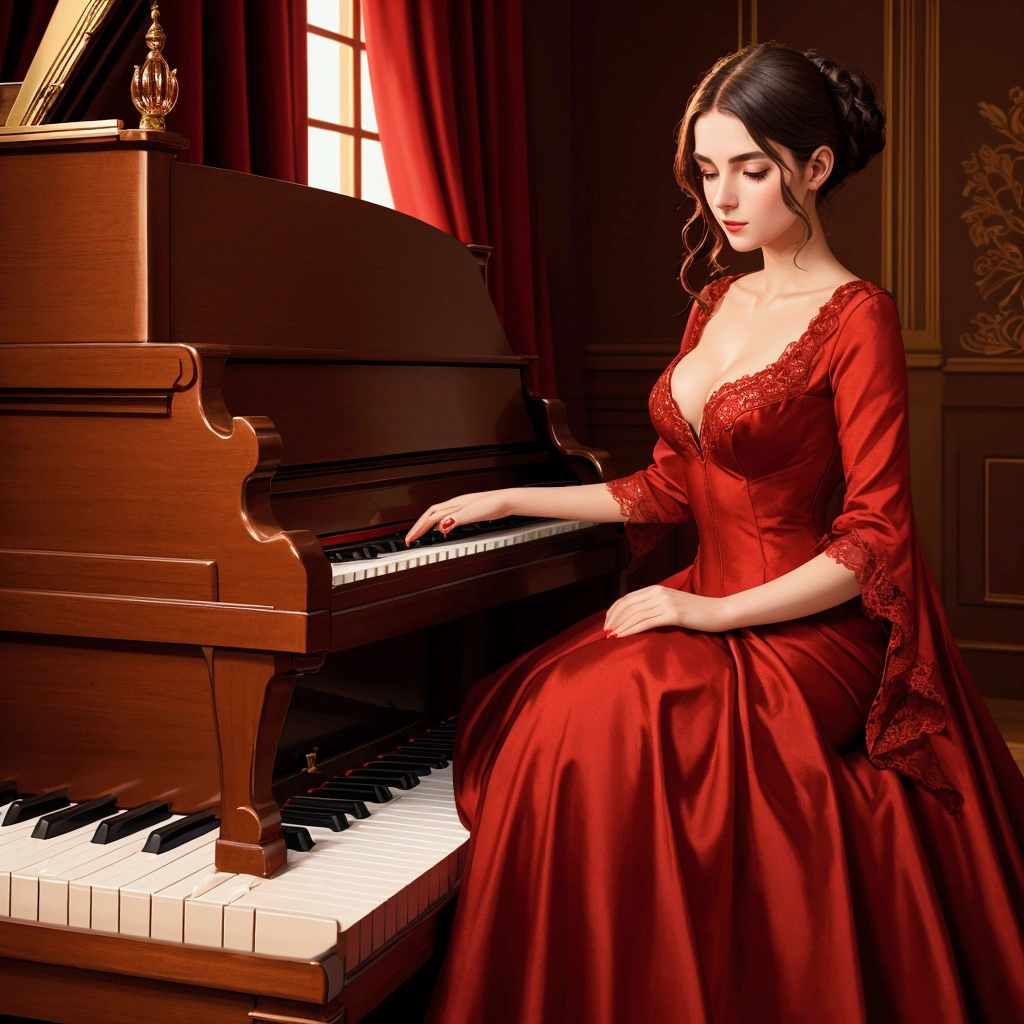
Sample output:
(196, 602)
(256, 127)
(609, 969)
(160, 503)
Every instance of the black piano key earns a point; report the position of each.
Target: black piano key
(130, 822)
(297, 838)
(409, 764)
(184, 830)
(441, 746)
(327, 802)
(395, 777)
(423, 756)
(356, 790)
(336, 822)
(59, 823)
(33, 806)
(8, 792)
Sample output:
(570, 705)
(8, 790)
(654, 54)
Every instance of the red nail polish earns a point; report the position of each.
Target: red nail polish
(614, 636)
(607, 632)
(447, 524)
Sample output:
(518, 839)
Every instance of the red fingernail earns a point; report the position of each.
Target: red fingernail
(447, 524)
(614, 636)
(607, 632)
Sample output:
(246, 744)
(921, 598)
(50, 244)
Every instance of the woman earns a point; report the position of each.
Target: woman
(766, 790)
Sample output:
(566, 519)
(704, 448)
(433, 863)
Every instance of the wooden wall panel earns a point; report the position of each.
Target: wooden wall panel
(611, 215)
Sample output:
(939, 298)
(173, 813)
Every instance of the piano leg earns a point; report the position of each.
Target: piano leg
(251, 693)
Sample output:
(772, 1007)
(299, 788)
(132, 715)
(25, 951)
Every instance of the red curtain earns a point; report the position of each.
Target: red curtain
(449, 92)
(22, 24)
(241, 72)
(242, 83)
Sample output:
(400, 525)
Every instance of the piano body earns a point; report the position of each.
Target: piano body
(207, 381)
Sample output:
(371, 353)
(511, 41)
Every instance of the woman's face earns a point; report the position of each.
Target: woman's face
(742, 185)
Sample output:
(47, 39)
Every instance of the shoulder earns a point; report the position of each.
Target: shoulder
(867, 330)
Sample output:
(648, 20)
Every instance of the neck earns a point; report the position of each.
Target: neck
(813, 267)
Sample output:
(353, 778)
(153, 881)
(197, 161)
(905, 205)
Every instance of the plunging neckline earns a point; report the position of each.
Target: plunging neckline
(696, 434)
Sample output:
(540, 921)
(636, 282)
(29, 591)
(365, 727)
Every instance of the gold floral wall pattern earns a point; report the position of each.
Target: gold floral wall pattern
(996, 217)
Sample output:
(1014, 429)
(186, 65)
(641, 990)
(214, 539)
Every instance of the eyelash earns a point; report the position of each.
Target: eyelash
(752, 175)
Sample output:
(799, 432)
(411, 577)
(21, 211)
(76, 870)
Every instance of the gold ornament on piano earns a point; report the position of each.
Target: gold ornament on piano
(311, 765)
(155, 86)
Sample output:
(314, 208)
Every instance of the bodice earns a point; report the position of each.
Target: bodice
(760, 477)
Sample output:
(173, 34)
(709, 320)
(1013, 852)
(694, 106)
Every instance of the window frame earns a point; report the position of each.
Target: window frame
(357, 131)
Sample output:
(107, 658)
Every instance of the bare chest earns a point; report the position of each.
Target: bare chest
(733, 344)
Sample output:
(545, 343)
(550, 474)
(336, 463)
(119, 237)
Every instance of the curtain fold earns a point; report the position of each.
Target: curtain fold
(242, 72)
(22, 24)
(450, 96)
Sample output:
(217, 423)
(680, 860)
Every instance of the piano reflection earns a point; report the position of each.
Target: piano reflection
(226, 688)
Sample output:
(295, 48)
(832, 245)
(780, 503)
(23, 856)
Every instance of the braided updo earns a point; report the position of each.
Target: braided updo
(783, 98)
(861, 120)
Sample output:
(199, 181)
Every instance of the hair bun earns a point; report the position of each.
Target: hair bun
(861, 119)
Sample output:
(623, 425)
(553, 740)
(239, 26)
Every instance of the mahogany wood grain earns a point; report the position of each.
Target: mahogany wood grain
(86, 246)
(193, 483)
(103, 717)
(71, 995)
(317, 980)
(270, 265)
(330, 412)
(208, 623)
(251, 691)
(184, 579)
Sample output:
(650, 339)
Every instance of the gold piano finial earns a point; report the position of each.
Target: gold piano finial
(155, 87)
(311, 762)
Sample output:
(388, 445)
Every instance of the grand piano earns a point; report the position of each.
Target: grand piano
(222, 398)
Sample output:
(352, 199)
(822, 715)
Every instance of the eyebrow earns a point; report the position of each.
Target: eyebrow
(742, 158)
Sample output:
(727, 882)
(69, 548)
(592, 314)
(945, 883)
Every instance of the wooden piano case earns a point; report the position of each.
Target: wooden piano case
(201, 374)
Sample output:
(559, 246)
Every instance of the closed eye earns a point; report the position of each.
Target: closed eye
(752, 175)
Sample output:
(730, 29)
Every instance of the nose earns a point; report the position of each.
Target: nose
(725, 197)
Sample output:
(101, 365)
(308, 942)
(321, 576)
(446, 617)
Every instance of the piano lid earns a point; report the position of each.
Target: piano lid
(86, 51)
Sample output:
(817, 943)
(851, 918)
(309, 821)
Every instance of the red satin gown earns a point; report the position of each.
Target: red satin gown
(814, 821)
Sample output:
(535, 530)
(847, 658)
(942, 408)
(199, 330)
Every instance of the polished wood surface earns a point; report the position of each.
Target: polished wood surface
(201, 374)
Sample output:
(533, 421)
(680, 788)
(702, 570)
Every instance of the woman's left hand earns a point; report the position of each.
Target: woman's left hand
(661, 606)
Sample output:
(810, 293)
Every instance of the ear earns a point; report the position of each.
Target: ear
(819, 167)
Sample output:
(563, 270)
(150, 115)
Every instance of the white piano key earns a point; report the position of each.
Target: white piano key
(167, 907)
(400, 561)
(31, 852)
(294, 935)
(54, 880)
(204, 913)
(134, 893)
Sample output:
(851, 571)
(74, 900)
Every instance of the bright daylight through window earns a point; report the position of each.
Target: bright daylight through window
(344, 145)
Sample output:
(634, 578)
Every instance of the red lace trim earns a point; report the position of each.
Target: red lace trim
(784, 378)
(908, 705)
(643, 531)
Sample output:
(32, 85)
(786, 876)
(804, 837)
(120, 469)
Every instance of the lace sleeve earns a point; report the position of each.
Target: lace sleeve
(653, 500)
(875, 537)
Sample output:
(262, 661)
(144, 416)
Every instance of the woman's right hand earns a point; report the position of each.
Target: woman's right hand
(466, 508)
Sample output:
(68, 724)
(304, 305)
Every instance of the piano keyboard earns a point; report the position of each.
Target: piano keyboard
(355, 888)
(352, 570)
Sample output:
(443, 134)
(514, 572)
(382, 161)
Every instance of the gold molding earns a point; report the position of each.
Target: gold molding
(745, 20)
(1003, 599)
(910, 169)
(985, 645)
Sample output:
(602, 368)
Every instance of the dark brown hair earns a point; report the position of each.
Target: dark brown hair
(792, 99)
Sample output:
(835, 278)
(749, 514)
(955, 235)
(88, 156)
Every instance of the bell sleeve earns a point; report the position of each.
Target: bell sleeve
(653, 500)
(876, 537)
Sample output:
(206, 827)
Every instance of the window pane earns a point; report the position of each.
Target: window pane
(331, 85)
(375, 177)
(325, 159)
(324, 56)
(367, 111)
(326, 14)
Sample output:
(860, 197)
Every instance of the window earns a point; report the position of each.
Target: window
(344, 146)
